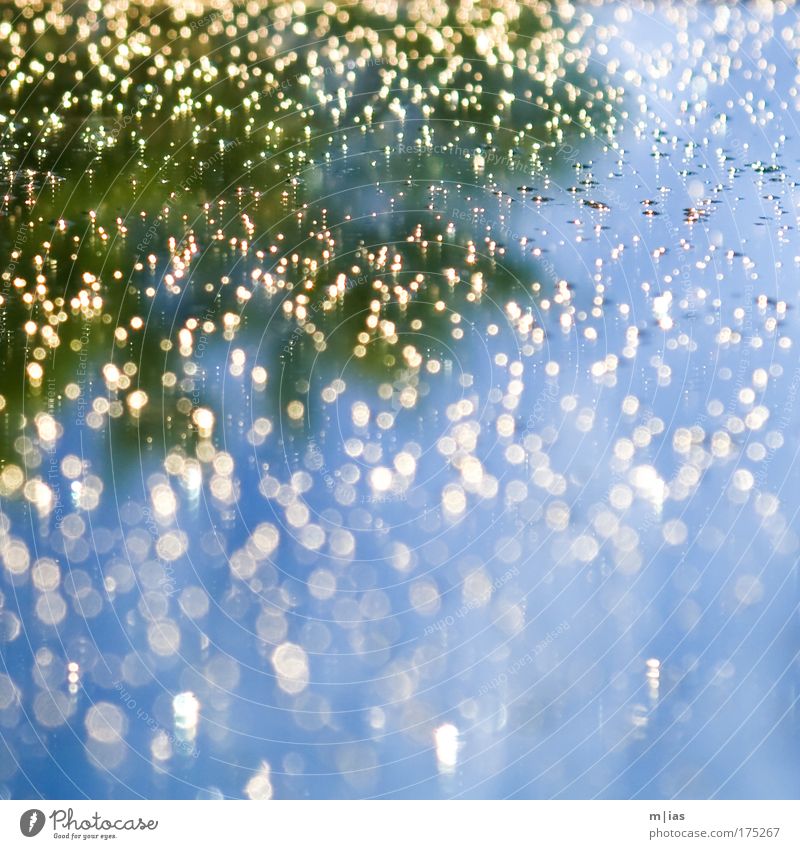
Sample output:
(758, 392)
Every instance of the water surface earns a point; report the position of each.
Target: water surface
(398, 401)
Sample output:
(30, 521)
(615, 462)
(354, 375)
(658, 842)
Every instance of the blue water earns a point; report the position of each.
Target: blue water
(534, 538)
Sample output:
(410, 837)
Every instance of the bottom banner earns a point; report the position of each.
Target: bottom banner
(398, 825)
